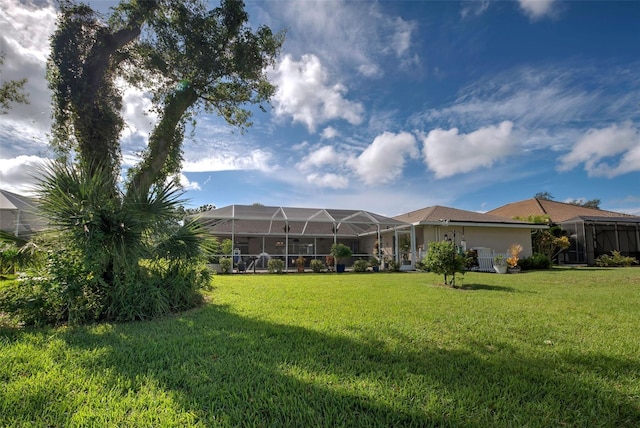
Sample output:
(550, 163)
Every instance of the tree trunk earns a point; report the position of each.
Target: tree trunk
(164, 142)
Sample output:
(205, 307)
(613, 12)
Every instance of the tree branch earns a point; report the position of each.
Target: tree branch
(164, 142)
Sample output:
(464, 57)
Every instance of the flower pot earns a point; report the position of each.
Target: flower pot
(340, 268)
(375, 268)
(514, 269)
(300, 269)
(500, 268)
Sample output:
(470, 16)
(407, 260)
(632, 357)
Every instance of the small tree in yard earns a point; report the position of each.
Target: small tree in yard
(442, 258)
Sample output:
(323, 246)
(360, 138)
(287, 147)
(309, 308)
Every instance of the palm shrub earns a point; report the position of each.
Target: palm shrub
(120, 256)
(17, 252)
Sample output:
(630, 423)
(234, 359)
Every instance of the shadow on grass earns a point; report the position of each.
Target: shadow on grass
(577, 268)
(230, 370)
(485, 287)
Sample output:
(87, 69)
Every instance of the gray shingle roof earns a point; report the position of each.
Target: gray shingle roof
(269, 220)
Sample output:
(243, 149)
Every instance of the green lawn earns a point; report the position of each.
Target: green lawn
(541, 349)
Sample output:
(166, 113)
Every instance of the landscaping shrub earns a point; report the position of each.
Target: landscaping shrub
(317, 266)
(64, 291)
(225, 264)
(471, 259)
(109, 256)
(615, 260)
(360, 266)
(536, 261)
(421, 266)
(275, 266)
(392, 266)
(8, 258)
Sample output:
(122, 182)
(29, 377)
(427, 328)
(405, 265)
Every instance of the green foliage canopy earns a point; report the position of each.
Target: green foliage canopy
(188, 57)
(11, 92)
(443, 258)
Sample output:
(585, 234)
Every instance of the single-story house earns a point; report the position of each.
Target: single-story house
(261, 232)
(19, 214)
(592, 232)
(489, 235)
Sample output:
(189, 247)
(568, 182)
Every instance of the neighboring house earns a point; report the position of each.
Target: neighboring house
(260, 232)
(592, 232)
(19, 214)
(488, 234)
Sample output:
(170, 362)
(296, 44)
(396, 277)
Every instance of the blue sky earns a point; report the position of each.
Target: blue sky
(393, 106)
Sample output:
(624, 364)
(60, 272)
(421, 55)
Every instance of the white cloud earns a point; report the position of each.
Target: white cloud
(447, 152)
(228, 161)
(323, 156)
(537, 8)
(401, 38)
(188, 185)
(24, 41)
(329, 132)
(304, 94)
(346, 35)
(384, 159)
(137, 112)
(475, 8)
(528, 97)
(330, 180)
(597, 148)
(18, 174)
(370, 70)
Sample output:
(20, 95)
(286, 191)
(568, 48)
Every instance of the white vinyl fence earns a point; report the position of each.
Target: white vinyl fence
(485, 258)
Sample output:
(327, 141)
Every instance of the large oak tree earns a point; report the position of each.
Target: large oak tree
(123, 255)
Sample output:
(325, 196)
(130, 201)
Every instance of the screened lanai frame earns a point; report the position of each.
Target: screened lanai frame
(594, 236)
(289, 232)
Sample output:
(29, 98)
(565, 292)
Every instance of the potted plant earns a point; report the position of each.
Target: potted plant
(340, 252)
(300, 261)
(374, 263)
(330, 261)
(514, 256)
(241, 266)
(500, 264)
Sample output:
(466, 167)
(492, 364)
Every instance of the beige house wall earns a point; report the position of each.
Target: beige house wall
(499, 239)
